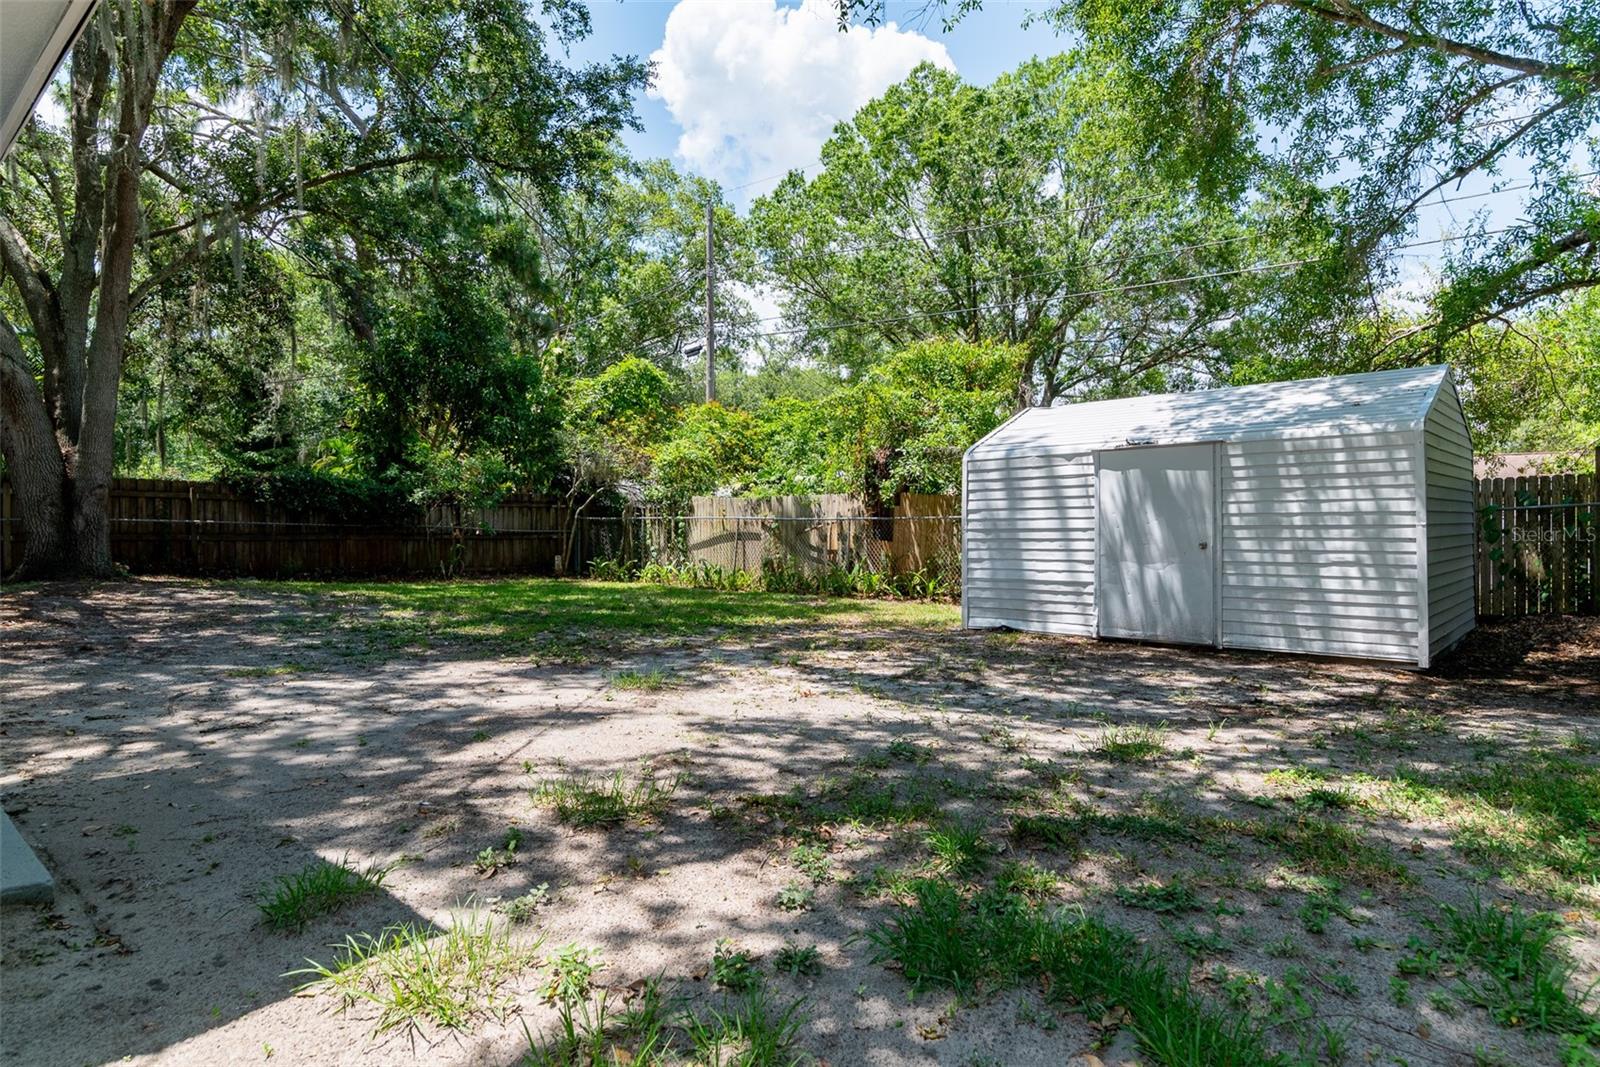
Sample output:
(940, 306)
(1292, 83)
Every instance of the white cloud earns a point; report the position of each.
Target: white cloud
(757, 87)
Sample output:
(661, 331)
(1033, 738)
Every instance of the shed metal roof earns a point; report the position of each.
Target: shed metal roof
(1377, 402)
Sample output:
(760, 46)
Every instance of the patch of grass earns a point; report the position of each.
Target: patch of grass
(1132, 743)
(1055, 832)
(1168, 897)
(1051, 773)
(1027, 880)
(648, 681)
(322, 888)
(418, 974)
(888, 882)
(859, 799)
(542, 612)
(1197, 943)
(798, 961)
(898, 751)
(734, 968)
(1154, 819)
(588, 803)
(1295, 777)
(905, 751)
(1516, 969)
(994, 940)
(1320, 847)
(1531, 818)
(1320, 907)
(1325, 799)
(591, 1033)
(266, 672)
(752, 1031)
(959, 847)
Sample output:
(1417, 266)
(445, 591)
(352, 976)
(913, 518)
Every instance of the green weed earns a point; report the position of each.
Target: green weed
(522, 909)
(995, 940)
(490, 860)
(811, 861)
(1170, 897)
(1320, 847)
(796, 896)
(798, 961)
(752, 1032)
(590, 1034)
(733, 968)
(572, 971)
(1027, 880)
(648, 681)
(1055, 832)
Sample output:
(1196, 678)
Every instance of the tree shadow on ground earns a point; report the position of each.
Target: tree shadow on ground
(161, 706)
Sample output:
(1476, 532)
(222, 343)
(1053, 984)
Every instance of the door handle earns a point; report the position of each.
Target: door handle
(1204, 544)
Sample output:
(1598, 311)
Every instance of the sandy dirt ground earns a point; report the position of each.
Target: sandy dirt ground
(172, 746)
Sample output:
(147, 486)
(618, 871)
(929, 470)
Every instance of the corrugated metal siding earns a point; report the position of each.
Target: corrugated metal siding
(1452, 529)
(1319, 512)
(1029, 535)
(1319, 546)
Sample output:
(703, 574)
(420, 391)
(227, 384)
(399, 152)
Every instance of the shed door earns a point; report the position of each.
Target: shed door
(1157, 529)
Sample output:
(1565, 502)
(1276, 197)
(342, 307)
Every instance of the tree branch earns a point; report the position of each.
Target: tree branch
(1348, 14)
(244, 211)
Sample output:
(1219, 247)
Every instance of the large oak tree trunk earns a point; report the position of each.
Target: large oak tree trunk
(36, 471)
(59, 421)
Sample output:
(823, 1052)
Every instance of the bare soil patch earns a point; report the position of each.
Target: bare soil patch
(1280, 831)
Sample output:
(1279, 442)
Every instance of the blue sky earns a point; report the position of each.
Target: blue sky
(747, 88)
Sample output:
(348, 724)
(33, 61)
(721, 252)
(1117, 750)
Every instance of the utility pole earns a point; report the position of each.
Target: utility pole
(711, 306)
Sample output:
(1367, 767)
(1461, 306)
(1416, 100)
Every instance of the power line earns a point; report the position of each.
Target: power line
(1169, 251)
(888, 240)
(680, 282)
(1104, 291)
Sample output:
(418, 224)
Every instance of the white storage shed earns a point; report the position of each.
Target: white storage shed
(1331, 516)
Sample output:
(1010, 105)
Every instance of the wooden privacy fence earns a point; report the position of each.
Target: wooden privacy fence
(1539, 545)
(1538, 538)
(176, 527)
(809, 535)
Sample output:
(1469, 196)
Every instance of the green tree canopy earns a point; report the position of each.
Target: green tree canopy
(194, 128)
(1033, 212)
(1392, 102)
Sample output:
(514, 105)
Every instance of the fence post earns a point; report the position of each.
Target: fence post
(1593, 494)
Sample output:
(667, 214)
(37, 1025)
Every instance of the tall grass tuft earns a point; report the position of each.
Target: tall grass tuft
(1515, 968)
(588, 803)
(291, 902)
(418, 974)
